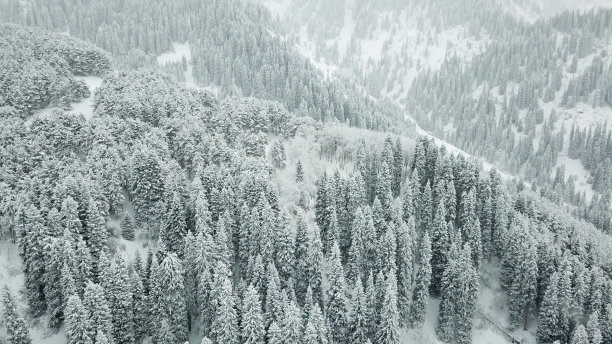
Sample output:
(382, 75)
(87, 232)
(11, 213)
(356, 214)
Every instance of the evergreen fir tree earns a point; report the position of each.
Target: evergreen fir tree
(77, 326)
(336, 298)
(139, 307)
(440, 247)
(174, 227)
(120, 298)
(285, 247)
(53, 287)
(580, 336)
(252, 323)
(274, 334)
(97, 311)
(299, 172)
(389, 317)
(459, 292)
(31, 240)
(127, 227)
(421, 289)
(404, 263)
(548, 317)
(167, 298)
(224, 328)
(163, 333)
(358, 327)
(315, 331)
(16, 328)
(593, 329)
(291, 325)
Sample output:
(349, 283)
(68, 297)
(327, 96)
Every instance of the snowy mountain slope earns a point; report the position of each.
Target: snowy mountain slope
(385, 50)
(531, 10)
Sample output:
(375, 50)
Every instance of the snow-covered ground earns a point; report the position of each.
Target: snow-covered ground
(85, 106)
(181, 50)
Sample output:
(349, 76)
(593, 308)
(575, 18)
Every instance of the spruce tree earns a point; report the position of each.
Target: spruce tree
(77, 323)
(291, 325)
(299, 172)
(127, 227)
(336, 303)
(167, 298)
(580, 336)
(389, 316)
(252, 329)
(16, 328)
(31, 241)
(440, 247)
(139, 307)
(315, 331)
(174, 227)
(285, 247)
(224, 328)
(548, 317)
(120, 300)
(97, 311)
(459, 292)
(274, 334)
(358, 322)
(593, 329)
(421, 289)
(404, 263)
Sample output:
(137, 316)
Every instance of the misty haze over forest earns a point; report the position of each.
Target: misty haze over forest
(306, 171)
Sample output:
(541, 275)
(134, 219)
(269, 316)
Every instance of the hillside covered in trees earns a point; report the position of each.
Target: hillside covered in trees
(272, 202)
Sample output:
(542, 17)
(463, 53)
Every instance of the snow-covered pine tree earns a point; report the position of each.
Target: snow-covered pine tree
(336, 303)
(315, 331)
(358, 322)
(139, 307)
(356, 262)
(127, 227)
(274, 334)
(388, 328)
(285, 247)
(593, 329)
(77, 322)
(315, 265)
(16, 328)
(252, 329)
(459, 292)
(291, 324)
(31, 241)
(299, 172)
(440, 247)
(404, 263)
(273, 304)
(174, 227)
(167, 295)
(580, 335)
(421, 289)
(224, 328)
(120, 297)
(53, 288)
(548, 316)
(97, 311)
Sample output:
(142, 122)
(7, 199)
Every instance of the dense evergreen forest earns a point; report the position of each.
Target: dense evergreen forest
(291, 206)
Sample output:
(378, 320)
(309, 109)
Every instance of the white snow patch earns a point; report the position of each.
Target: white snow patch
(85, 106)
(180, 50)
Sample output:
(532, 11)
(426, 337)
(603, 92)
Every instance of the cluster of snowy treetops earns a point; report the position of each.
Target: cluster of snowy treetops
(233, 264)
(37, 68)
(232, 47)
